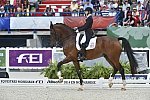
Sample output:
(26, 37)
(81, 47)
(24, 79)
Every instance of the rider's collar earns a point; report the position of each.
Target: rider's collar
(89, 15)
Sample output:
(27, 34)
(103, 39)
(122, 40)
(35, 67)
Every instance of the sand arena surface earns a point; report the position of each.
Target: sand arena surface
(71, 93)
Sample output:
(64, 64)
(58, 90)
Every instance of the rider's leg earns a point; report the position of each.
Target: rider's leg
(83, 51)
(80, 38)
(84, 45)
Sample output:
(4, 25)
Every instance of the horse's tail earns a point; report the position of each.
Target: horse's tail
(132, 60)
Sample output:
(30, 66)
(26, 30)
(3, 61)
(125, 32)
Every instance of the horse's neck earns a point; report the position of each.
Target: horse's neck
(69, 41)
(67, 35)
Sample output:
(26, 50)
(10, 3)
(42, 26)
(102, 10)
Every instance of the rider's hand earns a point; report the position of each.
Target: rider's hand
(76, 29)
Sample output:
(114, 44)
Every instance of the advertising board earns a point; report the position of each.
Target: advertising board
(30, 58)
(2, 58)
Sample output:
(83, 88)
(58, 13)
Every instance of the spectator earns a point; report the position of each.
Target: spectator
(133, 5)
(16, 5)
(105, 11)
(74, 6)
(135, 12)
(66, 12)
(120, 16)
(96, 6)
(88, 4)
(128, 11)
(7, 7)
(139, 6)
(3, 2)
(112, 12)
(48, 11)
(11, 12)
(110, 4)
(18, 12)
(81, 2)
(115, 4)
(2, 11)
(125, 5)
(141, 1)
(81, 11)
(25, 8)
(148, 18)
(51, 11)
(129, 21)
(32, 5)
(148, 6)
(143, 16)
(136, 20)
(135, 15)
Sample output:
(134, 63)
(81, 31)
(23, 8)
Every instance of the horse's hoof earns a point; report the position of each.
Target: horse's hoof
(61, 80)
(110, 85)
(80, 89)
(123, 89)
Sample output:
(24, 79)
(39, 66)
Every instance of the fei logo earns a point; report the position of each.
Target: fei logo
(30, 58)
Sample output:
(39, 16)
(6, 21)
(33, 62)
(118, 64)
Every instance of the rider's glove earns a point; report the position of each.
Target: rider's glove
(76, 29)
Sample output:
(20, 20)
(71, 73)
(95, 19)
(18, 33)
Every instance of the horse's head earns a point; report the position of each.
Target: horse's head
(53, 37)
(59, 33)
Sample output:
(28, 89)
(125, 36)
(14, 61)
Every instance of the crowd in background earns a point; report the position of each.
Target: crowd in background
(18, 7)
(127, 12)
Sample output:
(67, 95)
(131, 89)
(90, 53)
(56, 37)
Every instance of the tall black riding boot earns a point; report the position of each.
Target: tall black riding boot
(82, 53)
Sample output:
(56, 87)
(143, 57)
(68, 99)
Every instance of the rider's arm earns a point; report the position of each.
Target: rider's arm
(87, 25)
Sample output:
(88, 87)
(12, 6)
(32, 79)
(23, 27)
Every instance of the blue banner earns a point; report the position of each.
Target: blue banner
(130, 77)
(4, 23)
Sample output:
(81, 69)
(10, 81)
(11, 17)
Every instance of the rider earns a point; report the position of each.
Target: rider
(87, 27)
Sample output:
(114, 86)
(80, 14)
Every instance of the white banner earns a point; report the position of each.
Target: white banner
(33, 22)
(46, 82)
(98, 83)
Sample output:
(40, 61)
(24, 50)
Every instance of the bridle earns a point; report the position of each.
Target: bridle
(58, 41)
(56, 37)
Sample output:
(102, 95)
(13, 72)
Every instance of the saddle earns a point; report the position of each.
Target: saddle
(91, 44)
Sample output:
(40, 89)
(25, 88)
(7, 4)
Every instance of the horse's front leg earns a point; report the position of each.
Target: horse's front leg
(77, 66)
(66, 60)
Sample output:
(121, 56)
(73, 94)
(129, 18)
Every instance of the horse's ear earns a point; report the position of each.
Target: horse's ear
(51, 25)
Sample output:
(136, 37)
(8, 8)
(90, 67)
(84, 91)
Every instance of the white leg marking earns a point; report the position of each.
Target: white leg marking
(124, 85)
(110, 82)
(59, 74)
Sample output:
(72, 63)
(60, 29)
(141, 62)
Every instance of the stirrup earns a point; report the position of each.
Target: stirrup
(81, 58)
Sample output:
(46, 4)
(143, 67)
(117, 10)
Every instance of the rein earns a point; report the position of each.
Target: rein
(58, 41)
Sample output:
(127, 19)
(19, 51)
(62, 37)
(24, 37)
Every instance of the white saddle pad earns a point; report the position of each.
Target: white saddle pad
(91, 45)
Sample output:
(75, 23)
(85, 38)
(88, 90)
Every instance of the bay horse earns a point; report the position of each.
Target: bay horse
(106, 46)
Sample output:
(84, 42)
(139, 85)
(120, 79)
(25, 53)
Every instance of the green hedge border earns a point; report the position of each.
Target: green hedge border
(69, 72)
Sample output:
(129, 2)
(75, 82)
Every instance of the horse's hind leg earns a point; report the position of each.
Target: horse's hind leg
(112, 76)
(114, 71)
(121, 70)
(114, 61)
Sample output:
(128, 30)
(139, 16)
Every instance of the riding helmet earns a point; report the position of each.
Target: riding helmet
(89, 9)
